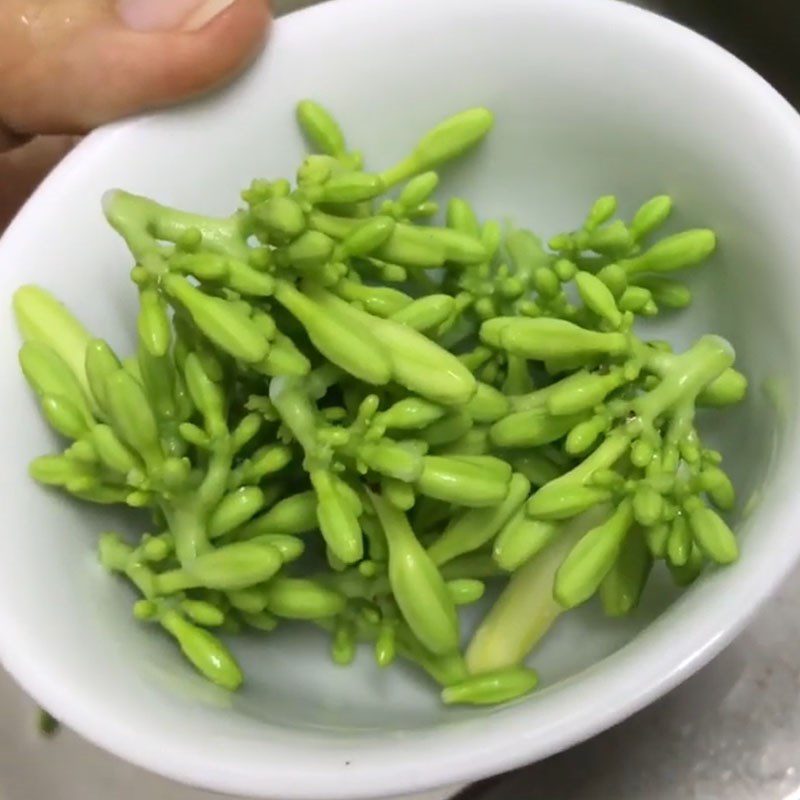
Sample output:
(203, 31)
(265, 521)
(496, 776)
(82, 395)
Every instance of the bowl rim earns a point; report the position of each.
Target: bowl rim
(631, 684)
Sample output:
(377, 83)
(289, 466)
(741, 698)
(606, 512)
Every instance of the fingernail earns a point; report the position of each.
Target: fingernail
(169, 15)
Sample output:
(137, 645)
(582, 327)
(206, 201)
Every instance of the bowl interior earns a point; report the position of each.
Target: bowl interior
(590, 98)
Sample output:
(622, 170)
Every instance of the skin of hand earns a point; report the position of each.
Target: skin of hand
(67, 66)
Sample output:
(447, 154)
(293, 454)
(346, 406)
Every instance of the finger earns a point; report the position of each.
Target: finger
(70, 65)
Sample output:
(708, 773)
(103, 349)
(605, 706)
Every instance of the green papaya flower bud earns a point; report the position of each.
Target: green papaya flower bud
(682, 250)
(206, 653)
(321, 128)
(300, 598)
(153, 323)
(711, 533)
(598, 297)
(235, 566)
(417, 585)
(219, 320)
(591, 559)
(491, 688)
(650, 216)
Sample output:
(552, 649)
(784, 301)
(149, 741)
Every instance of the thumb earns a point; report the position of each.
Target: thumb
(67, 66)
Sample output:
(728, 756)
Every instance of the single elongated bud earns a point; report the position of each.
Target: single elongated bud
(544, 338)
(602, 210)
(337, 519)
(411, 413)
(235, 509)
(581, 573)
(284, 359)
(266, 460)
(252, 600)
(418, 190)
(615, 278)
(448, 429)
(206, 653)
(719, 487)
(101, 363)
(410, 247)
(245, 280)
(526, 252)
(679, 543)
(583, 391)
(622, 586)
(247, 428)
(650, 216)
(204, 266)
(729, 388)
(351, 187)
(43, 319)
(49, 375)
(155, 332)
(598, 298)
(309, 251)
(532, 428)
(64, 417)
(418, 587)
(61, 471)
(300, 598)
(206, 394)
(460, 248)
(282, 217)
(385, 646)
(451, 138)
(491, 688)
(488, 404)
(635, 298)
(367, 237)
(711, 533)
(112, 452)
(426, 313)
(665, 292)
(290, 547)
(521, 538)
(611, 239)
(343, 646)
(648, 505)
(322, 130)
(465, 590)
(221, 321)
(292, 515)
(536, 467)
(675, 252)
(158, 376)
(554, 501)
(472, 529)
(203, 613)
(398, 493)
(657, 539)
(383, 301)
(461, 217)
(690, 571)
(262, 621)
(235, 566)
(132, 418)
(466, 483)
(351, 348)
(393, 459)
(584, 435)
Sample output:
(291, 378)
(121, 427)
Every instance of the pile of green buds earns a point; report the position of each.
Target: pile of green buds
(342, 414)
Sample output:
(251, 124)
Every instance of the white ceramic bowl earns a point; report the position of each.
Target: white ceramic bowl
(591, 97)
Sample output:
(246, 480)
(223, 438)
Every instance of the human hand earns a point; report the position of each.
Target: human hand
(67, 66)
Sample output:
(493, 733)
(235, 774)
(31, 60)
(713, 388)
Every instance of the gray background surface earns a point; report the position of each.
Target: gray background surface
(732, 732)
